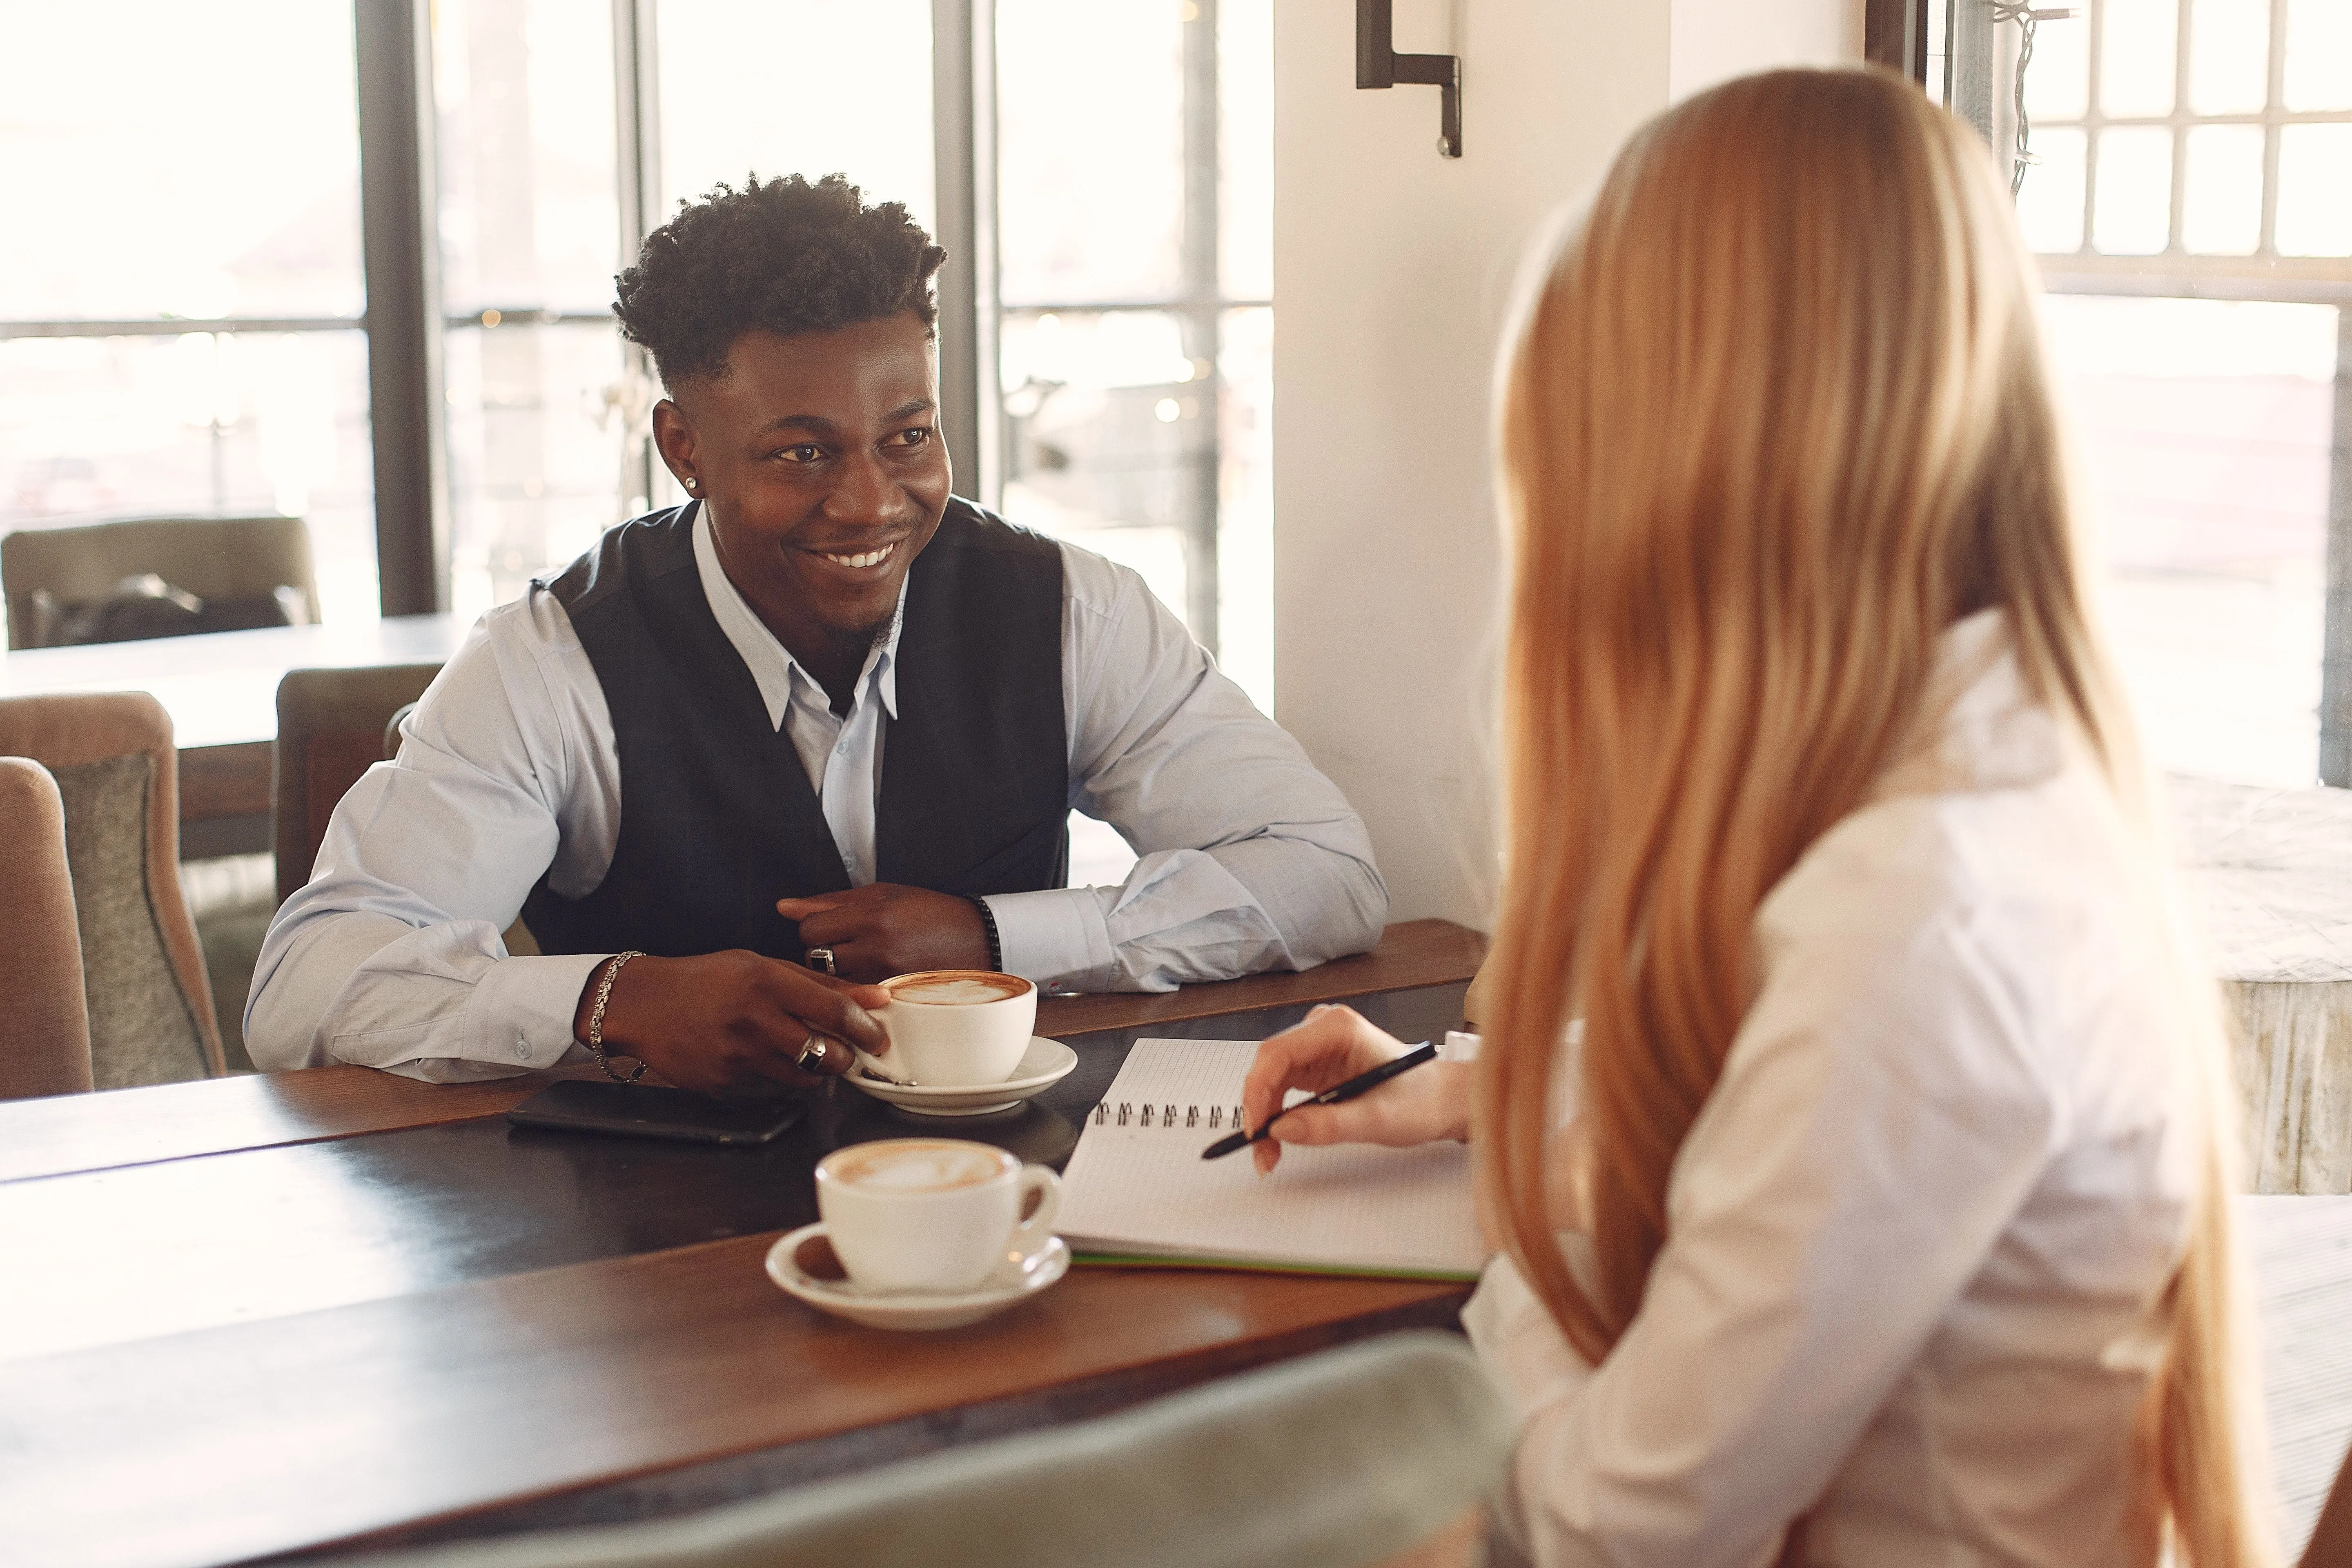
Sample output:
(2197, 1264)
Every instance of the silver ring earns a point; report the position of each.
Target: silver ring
(812, 1047)
(822, 958)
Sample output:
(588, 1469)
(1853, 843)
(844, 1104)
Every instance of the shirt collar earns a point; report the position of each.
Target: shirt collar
(772, 664)
(1978, 727)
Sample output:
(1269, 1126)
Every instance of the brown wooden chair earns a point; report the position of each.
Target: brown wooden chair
(330, 729)
(148, 1004)
(44, 1027)
(211, 557)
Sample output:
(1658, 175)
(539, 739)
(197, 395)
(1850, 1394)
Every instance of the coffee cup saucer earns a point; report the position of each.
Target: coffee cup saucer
(1009, 1286)
(1045, 1064)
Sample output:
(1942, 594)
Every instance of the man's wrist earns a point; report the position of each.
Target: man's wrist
(1056, 937)
(587, 1002)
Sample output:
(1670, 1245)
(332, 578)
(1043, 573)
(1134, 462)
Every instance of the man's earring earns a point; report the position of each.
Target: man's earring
(689, 487)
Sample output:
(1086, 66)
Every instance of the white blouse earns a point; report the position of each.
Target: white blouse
(1916, 1232)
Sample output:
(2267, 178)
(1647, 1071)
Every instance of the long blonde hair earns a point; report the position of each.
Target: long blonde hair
(1777, 416)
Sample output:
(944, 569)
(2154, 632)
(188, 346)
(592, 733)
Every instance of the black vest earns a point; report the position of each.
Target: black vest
(718, 819)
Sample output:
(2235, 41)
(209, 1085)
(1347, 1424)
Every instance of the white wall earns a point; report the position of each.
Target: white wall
(1393, 270)
(1714, 40)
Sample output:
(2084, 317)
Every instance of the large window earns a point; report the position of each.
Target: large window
(1136, 268)
(180, 281)
(196, 339)
(869, 114)
(529, 226)
(2184, 169)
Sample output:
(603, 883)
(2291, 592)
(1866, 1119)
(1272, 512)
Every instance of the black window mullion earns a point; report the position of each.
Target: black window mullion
(636, 119)
(402, 260)
(1894, 35)
(963, 143)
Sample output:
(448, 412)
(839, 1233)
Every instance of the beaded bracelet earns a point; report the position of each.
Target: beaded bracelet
(995, 944)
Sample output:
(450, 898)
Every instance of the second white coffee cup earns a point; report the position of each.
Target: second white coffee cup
(932, 1214)
(952, 1028)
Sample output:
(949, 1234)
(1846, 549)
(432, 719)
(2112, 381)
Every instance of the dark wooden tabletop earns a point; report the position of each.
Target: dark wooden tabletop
(252, 1317)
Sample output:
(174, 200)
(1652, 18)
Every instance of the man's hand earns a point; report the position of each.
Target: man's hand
(1334, 1045)
(729, 1020)
(884, 930)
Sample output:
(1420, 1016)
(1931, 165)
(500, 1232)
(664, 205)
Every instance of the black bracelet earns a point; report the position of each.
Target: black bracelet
(995, 942)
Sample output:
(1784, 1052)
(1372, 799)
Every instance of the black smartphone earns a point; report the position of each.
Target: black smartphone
(637, 1111)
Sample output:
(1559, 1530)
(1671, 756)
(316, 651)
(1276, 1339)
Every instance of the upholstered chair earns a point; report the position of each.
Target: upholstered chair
(211, 557)
(44, 1020)
(148, 1004)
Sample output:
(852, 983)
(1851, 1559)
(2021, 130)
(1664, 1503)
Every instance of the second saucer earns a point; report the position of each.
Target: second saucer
(1008, 1287)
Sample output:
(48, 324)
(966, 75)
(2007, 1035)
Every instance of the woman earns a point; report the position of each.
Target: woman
(1878, 1213)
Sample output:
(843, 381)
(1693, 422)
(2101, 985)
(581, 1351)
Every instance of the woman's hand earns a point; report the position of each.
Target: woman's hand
(1331, 1046)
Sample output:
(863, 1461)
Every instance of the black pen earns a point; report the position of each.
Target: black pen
(1424, 1052)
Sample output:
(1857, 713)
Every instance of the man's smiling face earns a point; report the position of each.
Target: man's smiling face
(819, 465)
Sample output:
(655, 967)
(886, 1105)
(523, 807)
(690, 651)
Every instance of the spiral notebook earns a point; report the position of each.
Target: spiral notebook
(1137, 1191)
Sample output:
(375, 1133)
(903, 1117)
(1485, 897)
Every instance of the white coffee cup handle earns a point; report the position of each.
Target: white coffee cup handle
(1030, 1235)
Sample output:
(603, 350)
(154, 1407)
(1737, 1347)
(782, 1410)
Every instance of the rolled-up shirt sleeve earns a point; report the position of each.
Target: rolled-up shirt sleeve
(1249, 857)
(393, 955)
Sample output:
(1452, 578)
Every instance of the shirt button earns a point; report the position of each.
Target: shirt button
(842, 750)
(522, 1049)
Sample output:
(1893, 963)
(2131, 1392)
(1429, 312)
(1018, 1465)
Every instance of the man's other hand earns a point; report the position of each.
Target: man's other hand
(728, 1020)
(884, 930)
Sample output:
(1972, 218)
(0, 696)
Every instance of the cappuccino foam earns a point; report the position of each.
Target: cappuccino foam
(963, 990)
(914, 1165)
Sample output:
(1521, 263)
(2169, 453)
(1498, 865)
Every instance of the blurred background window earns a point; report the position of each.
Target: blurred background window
(194, 342)
(1135, 220)
(543, 133)
(2184, 170)
(180, 278)
(530, 228)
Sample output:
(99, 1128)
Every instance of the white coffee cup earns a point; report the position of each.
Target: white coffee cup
(950, 1028)
(934, 1214)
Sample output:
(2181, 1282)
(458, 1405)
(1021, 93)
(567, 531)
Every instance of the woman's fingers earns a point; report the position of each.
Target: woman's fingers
(1330, 1046)
(1311, 1124)
(1429, 1104)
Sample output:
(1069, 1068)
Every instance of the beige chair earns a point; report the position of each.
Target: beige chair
(224, 557)
(1376, 1454)
(45, 1023)
(148, 1004)
(330, 729)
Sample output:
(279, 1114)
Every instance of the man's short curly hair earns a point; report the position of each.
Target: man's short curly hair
(786, 255)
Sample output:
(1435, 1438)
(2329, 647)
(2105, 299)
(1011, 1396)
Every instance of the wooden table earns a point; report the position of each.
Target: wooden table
(221, 690)
(329, 1310)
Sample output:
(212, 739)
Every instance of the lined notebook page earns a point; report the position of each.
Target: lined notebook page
(1142, 1188)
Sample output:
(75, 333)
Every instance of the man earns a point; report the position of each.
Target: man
(820, 725)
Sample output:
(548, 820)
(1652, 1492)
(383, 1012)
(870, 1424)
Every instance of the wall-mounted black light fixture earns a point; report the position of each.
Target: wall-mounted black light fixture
(1379, 65)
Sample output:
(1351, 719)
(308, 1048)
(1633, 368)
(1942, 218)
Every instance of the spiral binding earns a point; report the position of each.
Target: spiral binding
(1129, 1114)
